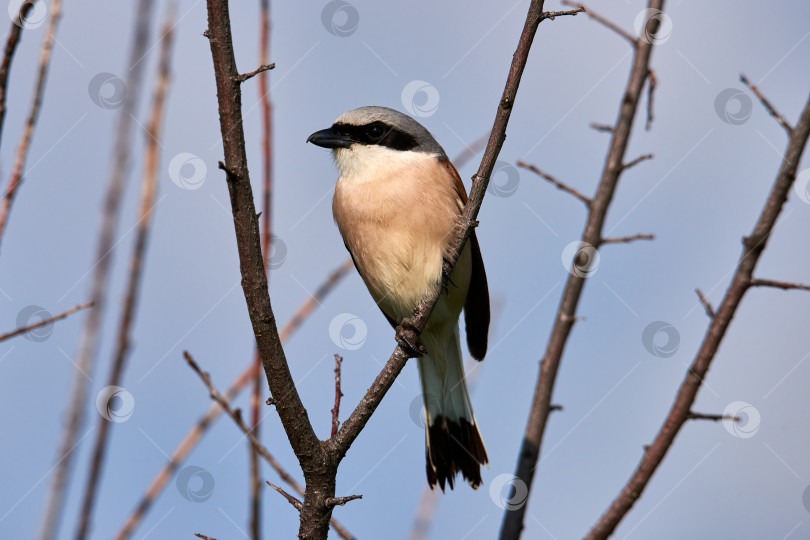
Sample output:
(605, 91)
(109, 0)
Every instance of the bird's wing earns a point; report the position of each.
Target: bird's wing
(476, 306)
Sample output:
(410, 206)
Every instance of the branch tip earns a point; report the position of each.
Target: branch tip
(340, 501)
(767, 104)
(290, 499)
(560, 185)
(245, 76)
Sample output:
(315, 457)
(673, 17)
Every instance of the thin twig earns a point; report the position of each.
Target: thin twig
(107, 234)
(636, 161)
(560, 185)
(137, 261)
(341, 501)
(11, 46)
(566, 313)
(604, 128)
(753, 247)
(706, 304)
(712, 417)
(256, 483)
(767, 104)
(204, 537)
(606, 22)
(290, 499)
(784, 285)
(33, 114)
(195, 434)
(651, 85)
(261, 69)
(338, 395)
(45, 322)
(627, 239)
(551, 15)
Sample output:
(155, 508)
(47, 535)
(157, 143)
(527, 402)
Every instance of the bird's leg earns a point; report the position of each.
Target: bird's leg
(446, 274)
(408, 339)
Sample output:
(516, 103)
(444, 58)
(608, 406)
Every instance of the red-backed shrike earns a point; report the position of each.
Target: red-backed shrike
(396, 203)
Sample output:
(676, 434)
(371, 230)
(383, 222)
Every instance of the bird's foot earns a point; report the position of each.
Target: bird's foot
(408, 339)
(446, 274)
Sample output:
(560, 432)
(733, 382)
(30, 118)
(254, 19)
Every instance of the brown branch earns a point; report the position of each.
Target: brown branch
(33, 114)
(753, 246)
(298, 505)
(784, 285)
(566, 313)
(341, 501)
(204, 537)
(107, 234)
(706, 304)
(261, 69)
(555, 182)
(712, 417)
(606, 22)
(256, 484)
(24, 329)
(652, 84)
(196, 433)
(338, 395)
(551, 15)
(767, 104)
(319, 460)
(145, 216)
(604, 128)
(11, 46)
(627, 239)
(636, 161)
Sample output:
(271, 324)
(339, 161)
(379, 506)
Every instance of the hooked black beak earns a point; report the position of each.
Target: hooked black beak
(329, 138)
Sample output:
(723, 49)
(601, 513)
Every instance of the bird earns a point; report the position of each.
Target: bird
(397, 201)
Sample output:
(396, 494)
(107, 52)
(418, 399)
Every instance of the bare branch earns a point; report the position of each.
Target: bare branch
(555, 182)
(245, 76)
(592, 235)
(636, 161)
(554, 14)
(340, 501)
(604, 128)
(713, 417)
(11, 46)
(33, 114)
(602, 20)
(204, 537)
(706, 304)
(651, 85)
(767, 104)
(298, 505)
(338, 395)
(753, 246)
(627, 239)
(88, 342)
(145, 215)
(25, 329)
(196, 433)
(784, 285)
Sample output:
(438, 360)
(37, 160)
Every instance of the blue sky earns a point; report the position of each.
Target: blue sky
(445, 63)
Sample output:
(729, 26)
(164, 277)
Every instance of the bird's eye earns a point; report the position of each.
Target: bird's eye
(375, 131)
